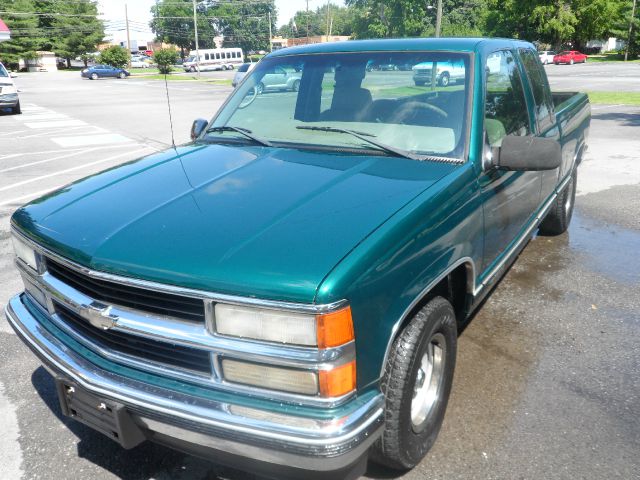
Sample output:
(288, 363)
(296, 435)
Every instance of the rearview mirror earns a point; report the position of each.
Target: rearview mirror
(527, 154)
(198, 127)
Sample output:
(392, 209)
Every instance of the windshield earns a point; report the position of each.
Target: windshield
(3, 72)
(409, 101)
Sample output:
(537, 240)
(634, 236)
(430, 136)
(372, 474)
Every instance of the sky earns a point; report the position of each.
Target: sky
(139, 15)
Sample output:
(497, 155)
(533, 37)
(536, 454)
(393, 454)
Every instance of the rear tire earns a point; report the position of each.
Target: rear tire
(419, 84)
(122, 75)
(416, 385)
(296, 86)
(557, 220)
(571, 62)
(260, 88)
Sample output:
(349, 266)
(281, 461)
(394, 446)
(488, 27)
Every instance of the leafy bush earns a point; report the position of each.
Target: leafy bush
(165, 58)
(115, 56)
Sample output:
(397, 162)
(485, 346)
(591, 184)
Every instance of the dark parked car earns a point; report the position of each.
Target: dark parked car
(100, 71)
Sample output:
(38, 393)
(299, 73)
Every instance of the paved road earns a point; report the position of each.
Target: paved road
(548, 377)
(596, 76)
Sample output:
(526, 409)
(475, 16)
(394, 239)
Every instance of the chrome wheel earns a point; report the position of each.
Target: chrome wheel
(428, 381)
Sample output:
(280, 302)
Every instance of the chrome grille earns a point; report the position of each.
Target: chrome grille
(179, 356)
(185, 308)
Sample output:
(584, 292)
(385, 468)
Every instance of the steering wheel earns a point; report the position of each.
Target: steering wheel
(410, 110)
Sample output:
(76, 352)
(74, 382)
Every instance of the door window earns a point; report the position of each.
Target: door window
(505, 105)
(540, 89)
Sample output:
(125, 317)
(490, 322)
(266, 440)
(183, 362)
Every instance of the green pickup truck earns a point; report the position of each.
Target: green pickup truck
(284, 293)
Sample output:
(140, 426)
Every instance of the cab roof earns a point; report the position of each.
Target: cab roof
(405, 44)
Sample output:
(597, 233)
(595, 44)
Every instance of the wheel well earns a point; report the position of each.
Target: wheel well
(456, 287)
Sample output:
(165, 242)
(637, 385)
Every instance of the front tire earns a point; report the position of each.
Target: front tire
(416, 385)
(444, 79)
(94, 76)
(571, 62)
(296, 86)
(557, 220)
(16, 110)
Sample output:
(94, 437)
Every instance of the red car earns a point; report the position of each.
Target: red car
(570, 57)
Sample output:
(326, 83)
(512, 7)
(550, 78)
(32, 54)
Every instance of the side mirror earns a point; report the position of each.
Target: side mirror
(13, 75)
(527, 154)
(198, 127)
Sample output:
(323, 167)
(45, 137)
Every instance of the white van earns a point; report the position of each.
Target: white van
(215, 59)
(8, 92)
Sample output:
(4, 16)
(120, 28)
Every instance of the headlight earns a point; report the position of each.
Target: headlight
(322, 331)
(24, 252)
(9, 89)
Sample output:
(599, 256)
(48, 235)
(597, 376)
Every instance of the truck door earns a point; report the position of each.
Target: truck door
(509, 198)
(544, 113)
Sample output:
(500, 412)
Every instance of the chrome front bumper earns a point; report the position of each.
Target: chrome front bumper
(283, 439)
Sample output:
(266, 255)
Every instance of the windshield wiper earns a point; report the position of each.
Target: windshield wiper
(242, 131)
(366, 137)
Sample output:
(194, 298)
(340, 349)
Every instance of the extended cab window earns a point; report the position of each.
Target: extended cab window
(505, 107)
(539, 87)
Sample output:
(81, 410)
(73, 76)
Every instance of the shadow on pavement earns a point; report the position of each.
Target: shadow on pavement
(626, 119)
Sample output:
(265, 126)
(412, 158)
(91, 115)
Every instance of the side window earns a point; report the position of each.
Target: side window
(505, 105)
(217, 56)
(206, 56)
(540, 88)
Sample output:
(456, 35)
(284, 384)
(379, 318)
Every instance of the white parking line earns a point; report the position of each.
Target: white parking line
(12, 155)
(67, 170)
(83, 141)
(43, 116)
(56, 124)
(52, 131)
(38, 162)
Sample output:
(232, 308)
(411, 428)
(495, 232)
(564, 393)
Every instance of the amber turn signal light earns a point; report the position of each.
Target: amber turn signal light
(339, 381)
(335, 328)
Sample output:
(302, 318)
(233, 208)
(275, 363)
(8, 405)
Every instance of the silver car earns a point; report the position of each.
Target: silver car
(8, 92)
(278, 78)
(241, 73)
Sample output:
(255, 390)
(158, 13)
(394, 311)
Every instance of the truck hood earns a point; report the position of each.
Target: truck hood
(252, 221)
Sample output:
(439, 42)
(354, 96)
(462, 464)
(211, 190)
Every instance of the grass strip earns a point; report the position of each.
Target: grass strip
(614, 98)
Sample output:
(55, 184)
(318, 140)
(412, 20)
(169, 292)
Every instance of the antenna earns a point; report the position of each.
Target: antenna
(166, 88)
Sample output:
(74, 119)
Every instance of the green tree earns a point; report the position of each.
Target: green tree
(245, 24)
(621, 28)
(115, 56)
(339, 20)
(77, 35)
(414, 18)
(173, 23)
(25, 35)
(165, 58)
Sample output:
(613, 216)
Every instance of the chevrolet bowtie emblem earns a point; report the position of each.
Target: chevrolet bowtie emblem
(98, 315)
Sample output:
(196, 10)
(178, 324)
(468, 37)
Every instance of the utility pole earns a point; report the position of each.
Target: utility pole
(328, 16)
(126, 20)
(633, 15)
(195, 24)
(307, 22)
(270, 42)
(439, 18)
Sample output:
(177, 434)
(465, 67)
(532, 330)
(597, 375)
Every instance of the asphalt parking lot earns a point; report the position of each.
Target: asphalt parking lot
(547, 383)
